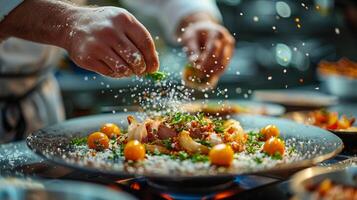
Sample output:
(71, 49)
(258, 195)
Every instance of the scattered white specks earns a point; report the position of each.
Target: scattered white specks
(270, 78)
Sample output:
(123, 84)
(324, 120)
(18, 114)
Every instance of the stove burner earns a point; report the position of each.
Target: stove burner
(192, 186)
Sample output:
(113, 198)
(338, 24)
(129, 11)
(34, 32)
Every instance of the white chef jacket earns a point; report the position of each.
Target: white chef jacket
(29, 94)
(24, 74)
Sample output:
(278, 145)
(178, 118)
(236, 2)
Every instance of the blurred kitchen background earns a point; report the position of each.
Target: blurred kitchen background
(279, 44)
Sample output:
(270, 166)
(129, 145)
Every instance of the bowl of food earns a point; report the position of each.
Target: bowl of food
(339, 77)
(325, 183)
(180, 146)
(341, 125)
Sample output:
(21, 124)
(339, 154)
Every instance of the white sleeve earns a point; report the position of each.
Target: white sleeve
(169, 13)
(6, 6)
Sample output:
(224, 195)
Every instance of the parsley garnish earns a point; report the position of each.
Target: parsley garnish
(167, 143)
(253, 144)
(199, 158)
(277, 156)
(258, 160)
(156, 76)
(204, 142)
(218, 126)
(78, 141)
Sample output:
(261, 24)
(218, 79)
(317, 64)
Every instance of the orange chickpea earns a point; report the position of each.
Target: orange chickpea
(134, 151)
(269, 131)
(274, 145)
(111, 130)
(98, 141)
(221, 155)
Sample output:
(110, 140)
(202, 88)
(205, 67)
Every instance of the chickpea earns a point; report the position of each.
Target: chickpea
(134, 151)
(98, 141)
(221, 155)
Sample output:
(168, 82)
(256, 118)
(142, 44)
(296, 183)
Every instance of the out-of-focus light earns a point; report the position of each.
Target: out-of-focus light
(283, 9)
(231, 2)
(337, 31)
(283, 54)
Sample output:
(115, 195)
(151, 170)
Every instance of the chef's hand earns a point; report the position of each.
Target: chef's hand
(209, 46)
(110, 41)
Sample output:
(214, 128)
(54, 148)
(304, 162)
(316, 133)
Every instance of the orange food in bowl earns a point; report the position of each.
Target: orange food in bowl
(134, 151)
(98, 141)
(111, 130)
(221, 155)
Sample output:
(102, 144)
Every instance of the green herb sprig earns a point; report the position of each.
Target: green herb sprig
(156, 76)
(78, 141)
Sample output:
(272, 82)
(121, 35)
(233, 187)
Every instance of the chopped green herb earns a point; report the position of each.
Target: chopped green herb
(277, 156)
(258, 160)
(291, 150)
(181, 155)
(218, 126)
(78, 141)
(113, 141)
(253, 144)
(204, 142)
(167, 143)
(156, 76)
(199, 158)
(116, 153)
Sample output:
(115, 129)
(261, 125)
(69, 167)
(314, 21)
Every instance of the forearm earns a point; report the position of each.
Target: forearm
(44, 21)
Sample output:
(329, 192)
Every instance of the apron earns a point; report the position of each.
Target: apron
(29, 94)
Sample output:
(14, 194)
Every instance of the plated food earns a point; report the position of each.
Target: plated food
(339, 77)
(190, 138)
(325, 119)
(343, 67)
(182, 145)
(328, 189)
(325, 183)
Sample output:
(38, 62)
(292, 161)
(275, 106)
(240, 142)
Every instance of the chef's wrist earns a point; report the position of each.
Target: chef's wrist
(194, 18)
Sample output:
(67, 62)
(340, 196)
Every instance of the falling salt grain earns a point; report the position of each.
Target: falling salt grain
(86, 78)
(113, 111)
(274, 28)
(241, 14)
(179, 39)
(337, 31)
(317, 88)
(270, 78)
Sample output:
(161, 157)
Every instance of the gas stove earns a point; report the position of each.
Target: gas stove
(17, 160)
